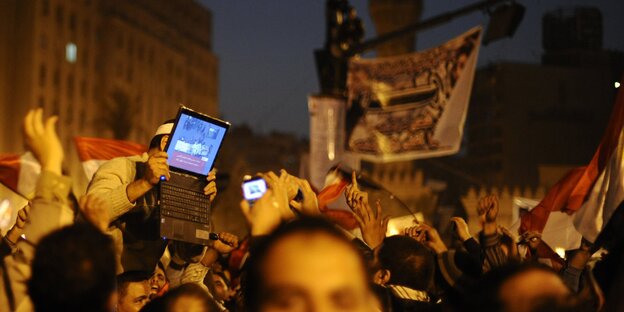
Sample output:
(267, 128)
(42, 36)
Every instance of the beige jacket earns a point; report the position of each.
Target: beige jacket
(111, 180)
(50, 210)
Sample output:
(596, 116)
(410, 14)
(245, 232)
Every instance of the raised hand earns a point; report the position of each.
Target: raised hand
(488, 209)
(211, 188)
(428, 236)
(43, 141)
(372, 224)
(353, 194)
(156, 167)
(95, 209)
(270, 209)
(226, 243)
(309, 204)
(461, 228)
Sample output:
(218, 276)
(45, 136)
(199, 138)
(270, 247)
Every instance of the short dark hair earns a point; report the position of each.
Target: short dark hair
(485, 296)
(73, 270)
(410, 263)
(168, 300)
(155, 142)
(251, 283)
(125, 278)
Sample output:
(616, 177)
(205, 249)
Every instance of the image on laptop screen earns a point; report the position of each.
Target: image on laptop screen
(194, 144)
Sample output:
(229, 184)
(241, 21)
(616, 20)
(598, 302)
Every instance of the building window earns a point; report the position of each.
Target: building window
(43, 41)
(70, 86)
(72, 22)
(169, 67)
(130, 47)
(83, 89)
(150, 56)
(42, 75)
(59, 16)
(55, 107)
(141, 54)
(86, 29)
(56, 80)
(45, 9)
(71, 52)
(85, 58)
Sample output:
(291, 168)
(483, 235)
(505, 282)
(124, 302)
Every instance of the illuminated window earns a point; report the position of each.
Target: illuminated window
(71, 52)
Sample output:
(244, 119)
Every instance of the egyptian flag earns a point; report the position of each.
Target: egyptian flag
(20, 173)
(605, 197)
(93, 152)
(571, 192)
(336, 182)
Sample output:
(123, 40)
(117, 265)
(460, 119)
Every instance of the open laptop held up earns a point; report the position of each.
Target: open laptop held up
(192, 149)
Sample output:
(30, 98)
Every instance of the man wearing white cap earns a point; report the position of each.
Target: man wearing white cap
(128, 185)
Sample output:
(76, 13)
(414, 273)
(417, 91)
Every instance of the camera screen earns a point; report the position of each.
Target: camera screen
(254, 189)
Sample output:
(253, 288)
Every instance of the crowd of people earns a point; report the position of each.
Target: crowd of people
(93, 255)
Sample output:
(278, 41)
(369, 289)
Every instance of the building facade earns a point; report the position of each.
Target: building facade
(113, 69)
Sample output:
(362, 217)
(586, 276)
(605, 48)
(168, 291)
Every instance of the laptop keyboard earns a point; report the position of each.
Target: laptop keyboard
(184, 204)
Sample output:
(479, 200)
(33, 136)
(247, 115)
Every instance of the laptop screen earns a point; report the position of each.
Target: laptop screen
(195, 141)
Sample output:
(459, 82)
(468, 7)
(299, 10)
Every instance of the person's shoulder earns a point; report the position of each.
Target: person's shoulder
(122, 162)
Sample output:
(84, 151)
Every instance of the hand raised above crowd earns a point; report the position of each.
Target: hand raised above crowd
(226, 243)
(461, 228)
(487, 209)
(427, 235)
(43, 141)
(308, 204)
(353, 194)
(371, 222)
(270, 209)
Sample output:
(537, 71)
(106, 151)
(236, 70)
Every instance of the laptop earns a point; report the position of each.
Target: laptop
(192, 148)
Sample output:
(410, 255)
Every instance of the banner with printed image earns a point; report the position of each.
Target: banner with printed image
(411, 106)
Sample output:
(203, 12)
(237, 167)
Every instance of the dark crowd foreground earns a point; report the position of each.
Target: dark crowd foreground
(81, 255)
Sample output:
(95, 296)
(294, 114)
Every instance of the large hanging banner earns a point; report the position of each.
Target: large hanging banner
(411, 106)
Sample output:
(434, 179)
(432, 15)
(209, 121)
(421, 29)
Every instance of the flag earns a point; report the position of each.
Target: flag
(411, 106)
(93, 152)
(606, 195)
(571, 191)
(335, 185)
(20, 173)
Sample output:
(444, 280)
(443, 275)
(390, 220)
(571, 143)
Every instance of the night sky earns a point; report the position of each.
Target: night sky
(265, 50)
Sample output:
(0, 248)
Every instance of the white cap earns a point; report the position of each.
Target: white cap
(164, 129)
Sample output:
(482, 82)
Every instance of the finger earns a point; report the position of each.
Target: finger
(28, 124)
(82, 201)
(38, 121)
(368, 211)
(358, 219)
(159, 161)
(50, 125)
(271, 178)
(295, 204)
(378, 204)
(384, 224)
(212, 176)
(354, 180)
